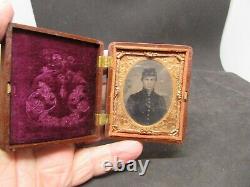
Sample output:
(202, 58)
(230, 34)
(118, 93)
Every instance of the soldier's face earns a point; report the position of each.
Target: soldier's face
(149, 82)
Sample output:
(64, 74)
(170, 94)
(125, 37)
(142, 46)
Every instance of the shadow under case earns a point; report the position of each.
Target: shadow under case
(60, 88)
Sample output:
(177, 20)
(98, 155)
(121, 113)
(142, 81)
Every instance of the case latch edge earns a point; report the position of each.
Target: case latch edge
(104, 61)
(8, 89)
(102, 119)
(185, 96)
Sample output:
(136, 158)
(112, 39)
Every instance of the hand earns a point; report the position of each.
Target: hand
(61, 165)
(57, 165)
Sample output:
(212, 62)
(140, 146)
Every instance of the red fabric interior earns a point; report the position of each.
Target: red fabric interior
(53, 87)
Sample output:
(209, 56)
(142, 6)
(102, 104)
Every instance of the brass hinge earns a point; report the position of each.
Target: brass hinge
(104, 61)
(102, 119)
(8, 88)
(185, 96)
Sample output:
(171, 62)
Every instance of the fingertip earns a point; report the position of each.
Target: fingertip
(6, 14)
(6, 9)
(127, 149)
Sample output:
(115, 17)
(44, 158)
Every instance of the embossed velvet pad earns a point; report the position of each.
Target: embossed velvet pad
(53, 87)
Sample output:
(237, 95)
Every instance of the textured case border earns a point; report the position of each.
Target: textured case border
(177, 61)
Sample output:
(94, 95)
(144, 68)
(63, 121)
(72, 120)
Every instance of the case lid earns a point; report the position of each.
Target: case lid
(148, 89)
(51, 87)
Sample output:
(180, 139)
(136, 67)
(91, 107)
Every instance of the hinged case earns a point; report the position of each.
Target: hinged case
(60, 88)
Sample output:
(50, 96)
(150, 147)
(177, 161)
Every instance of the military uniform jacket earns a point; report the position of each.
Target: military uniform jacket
(146, 108)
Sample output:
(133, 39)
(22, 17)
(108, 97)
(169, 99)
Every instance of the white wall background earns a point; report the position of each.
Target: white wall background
(23, 12)
(235, 43)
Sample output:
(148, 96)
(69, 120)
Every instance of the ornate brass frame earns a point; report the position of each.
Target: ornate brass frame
(175, 60)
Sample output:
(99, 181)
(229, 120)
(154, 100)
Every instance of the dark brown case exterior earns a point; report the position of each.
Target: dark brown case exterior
(185, 88)
(5, 79)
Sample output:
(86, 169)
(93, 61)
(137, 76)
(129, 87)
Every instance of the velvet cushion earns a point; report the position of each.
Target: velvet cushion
(53, 87)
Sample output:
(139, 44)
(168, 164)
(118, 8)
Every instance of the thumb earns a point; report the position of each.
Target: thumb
(89, 162)
(6, 14)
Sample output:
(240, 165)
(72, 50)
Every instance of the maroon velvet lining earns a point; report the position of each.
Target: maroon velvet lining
(53, 87)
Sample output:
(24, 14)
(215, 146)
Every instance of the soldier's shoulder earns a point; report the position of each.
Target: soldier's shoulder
(158, 96)
(136, 95)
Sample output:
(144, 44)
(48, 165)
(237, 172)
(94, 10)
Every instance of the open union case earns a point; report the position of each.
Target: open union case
(60, 88)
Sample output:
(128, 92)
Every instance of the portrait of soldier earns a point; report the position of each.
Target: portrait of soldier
(146, 106)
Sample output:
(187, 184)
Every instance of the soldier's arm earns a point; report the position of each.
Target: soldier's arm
(131, 105)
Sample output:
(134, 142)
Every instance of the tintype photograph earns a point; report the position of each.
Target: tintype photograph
(147, 92)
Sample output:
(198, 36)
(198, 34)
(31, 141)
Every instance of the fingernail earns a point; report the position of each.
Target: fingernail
(127, 150)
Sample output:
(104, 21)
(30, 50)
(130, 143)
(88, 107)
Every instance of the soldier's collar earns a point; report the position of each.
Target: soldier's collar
(146, 92)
